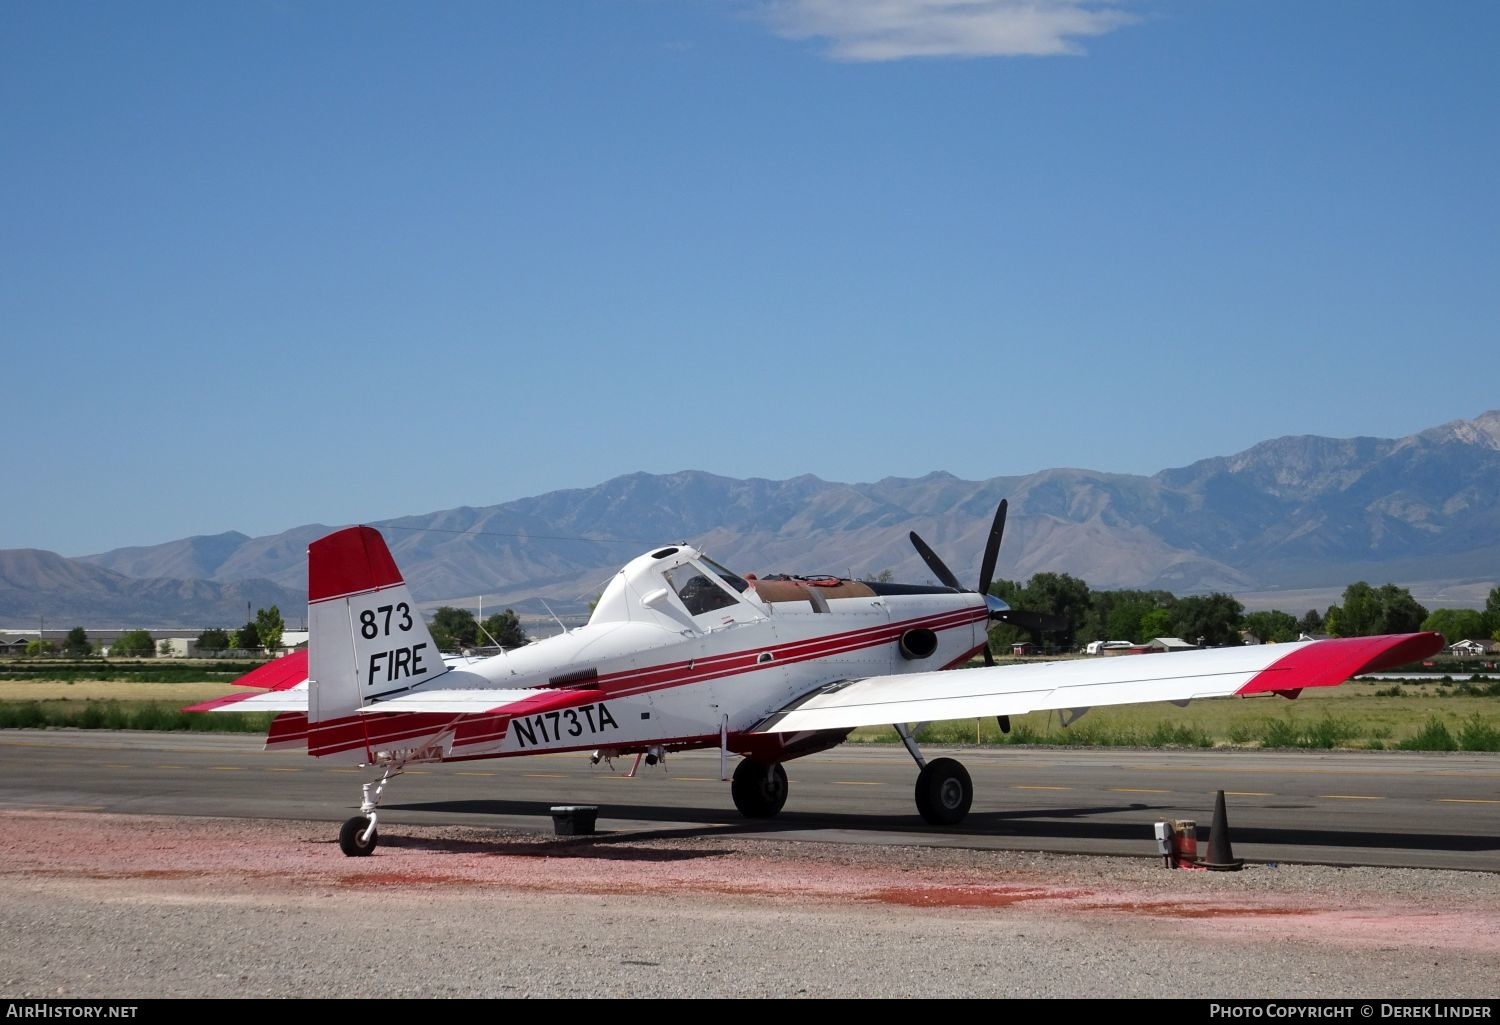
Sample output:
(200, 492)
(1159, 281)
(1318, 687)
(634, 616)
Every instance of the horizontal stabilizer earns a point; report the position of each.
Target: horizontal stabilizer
(292, 700)
(278, 674)
(486, 701)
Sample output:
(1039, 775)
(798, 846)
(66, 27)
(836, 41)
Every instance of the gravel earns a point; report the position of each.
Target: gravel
(133, 907)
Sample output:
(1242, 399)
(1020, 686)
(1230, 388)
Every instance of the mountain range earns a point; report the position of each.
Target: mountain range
(1287, 523)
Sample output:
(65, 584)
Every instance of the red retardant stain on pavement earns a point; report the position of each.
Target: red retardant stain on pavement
(947, 897)
(1166, 909)
(148, 860)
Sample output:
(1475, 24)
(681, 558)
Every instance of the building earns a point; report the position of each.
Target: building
(1169, 644)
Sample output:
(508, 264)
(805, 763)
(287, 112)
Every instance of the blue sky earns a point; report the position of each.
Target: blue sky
(266, 263)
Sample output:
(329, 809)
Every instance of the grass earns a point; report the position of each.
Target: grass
(125, 715)
(100, 694)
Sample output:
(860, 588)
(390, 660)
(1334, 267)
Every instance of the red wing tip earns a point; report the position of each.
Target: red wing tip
(1330, 662)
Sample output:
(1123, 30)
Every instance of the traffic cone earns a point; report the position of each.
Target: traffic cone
(1220, 857)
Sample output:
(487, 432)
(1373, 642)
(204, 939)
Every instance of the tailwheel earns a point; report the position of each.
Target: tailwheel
(353, 840)
(759, 790)
(944, 792)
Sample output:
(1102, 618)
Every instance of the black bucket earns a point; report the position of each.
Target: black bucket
(574, 819)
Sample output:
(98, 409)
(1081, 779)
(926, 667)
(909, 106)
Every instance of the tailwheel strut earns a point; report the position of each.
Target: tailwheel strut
(358, 836)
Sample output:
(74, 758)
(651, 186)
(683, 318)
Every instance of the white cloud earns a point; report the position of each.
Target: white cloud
(883, 30)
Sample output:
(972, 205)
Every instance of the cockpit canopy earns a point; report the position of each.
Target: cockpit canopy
(701, 586)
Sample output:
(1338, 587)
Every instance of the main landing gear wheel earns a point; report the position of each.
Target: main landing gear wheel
(759, 790)
(944, 792)
(351, 838)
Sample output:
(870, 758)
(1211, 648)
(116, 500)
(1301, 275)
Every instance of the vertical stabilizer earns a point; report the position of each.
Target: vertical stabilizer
(366, 638)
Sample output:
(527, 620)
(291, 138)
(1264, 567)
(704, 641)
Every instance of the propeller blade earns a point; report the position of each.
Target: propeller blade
(1041, 622)
(935, 564)
(992, 548)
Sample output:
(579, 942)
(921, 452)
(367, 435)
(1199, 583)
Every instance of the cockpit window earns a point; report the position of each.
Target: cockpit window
(737, 582)
(697, 592)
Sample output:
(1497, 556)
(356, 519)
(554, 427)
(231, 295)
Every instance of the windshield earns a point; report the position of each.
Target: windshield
(733, 580)
(697, 591)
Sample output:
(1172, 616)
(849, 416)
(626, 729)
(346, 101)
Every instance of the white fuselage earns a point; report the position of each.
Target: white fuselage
(658, 674)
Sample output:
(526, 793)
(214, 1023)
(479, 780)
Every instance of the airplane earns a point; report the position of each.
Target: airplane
(681, 653)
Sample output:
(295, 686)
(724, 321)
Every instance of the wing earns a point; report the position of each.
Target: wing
(1086, 683)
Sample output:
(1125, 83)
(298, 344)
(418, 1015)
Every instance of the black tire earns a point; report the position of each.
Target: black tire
(944, 792)
(759, 790)
(351, 838)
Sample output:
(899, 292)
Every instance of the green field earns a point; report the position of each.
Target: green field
(1454, 716)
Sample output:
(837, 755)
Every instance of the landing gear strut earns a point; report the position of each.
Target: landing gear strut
(944, 789)
(358, 837)
(759, 790)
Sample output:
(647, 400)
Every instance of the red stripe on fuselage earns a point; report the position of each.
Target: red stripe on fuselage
(349, 733)
(675, 674)
(287, 727)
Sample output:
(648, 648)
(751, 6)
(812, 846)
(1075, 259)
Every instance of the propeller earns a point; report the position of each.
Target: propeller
(1036, 622)
(991, 553)
(998, 609)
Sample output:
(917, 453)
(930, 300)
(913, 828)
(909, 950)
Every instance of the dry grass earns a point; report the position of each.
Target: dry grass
(112, 690)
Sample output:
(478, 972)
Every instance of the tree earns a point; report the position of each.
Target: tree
(247, 637)
(213, 640)
(1058, 594)
(1356, 617)
(1367, 611)
(1211, 620)
(77, 643)
(1156, 623)
(268, 627)
(1400, 612)
(1124, 621)
(40, 647)
(1456, 624)
(1272, 627)
(505, 629)
(133, 644)
(164, 649)
(1311, 622)
(453, 629)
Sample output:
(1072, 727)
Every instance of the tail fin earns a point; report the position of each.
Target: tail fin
(366, 638)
